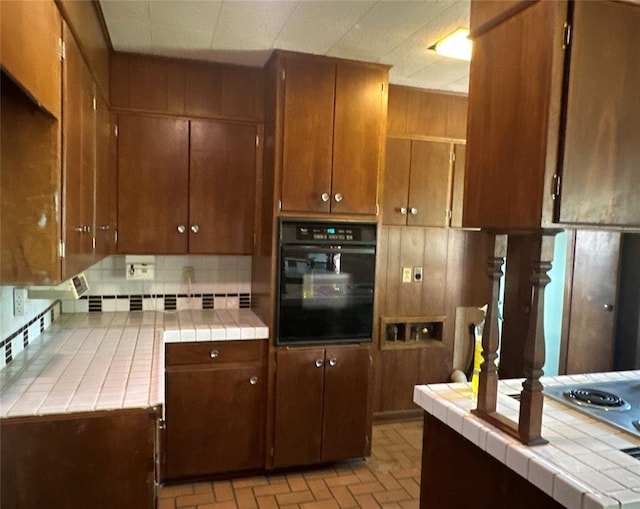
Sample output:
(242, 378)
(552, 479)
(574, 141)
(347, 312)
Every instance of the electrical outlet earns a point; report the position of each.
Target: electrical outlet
(406, 274)
(19, 300)
(188, 274)
(417, 274)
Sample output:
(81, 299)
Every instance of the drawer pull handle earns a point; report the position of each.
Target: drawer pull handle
(253, 380)
(333, 361)
(214, 354)
(319, 363)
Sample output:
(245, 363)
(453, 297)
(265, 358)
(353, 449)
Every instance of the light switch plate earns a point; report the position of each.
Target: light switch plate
(406, 274)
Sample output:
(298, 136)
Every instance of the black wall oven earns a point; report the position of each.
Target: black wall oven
(326, 282)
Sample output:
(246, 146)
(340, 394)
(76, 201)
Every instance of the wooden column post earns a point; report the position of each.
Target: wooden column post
(528, 429)
(531, 397)
(488, 378)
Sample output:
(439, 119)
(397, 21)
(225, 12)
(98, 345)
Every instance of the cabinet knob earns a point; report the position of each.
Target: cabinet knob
(182, 228)
(413, 211)
(608, 307)
(195, 228)
(214, 354)
(338, 197)
(325, 197)
(105, 227)
(333, 361)
(253, 380)
(319, 363)
(403, 210)
(83, 229)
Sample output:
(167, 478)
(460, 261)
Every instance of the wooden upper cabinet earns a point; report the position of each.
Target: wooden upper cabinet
(358, 135)
(153, 184)
(106, 180)
(185, 186)
(222, 187)
(396, 181)
(333, 119)
(513, 121)
(417, 182)
(309, 96)
(429, 186)
(31, 41)
(601, 163)
(556, 138)
(78, 159)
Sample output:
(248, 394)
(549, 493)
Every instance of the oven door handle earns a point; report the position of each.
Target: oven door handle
(331, 250)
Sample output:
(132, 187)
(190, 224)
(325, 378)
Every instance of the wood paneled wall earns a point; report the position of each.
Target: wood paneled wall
(180, 87)
(418, 113)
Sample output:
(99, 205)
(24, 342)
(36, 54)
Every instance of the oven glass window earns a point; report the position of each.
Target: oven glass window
(326, 294)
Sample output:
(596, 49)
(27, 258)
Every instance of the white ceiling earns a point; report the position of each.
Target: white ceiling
(394, 32)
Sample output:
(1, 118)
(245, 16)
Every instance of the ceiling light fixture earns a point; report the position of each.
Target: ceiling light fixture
(455, 45)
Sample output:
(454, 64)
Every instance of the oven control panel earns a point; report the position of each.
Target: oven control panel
(326, 233)
(342, 233)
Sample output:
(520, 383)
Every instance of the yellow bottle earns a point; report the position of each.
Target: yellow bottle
(477, 361)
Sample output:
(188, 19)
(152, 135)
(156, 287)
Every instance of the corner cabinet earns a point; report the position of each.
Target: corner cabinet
(331, 132)
(328, 420)
(185, 186)
(560, 141)
(215, 407)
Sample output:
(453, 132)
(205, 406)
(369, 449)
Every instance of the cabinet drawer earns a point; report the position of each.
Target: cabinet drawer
(214, 352)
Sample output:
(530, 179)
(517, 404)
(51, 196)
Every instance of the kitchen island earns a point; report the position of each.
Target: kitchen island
(467, 462)
(81, 406)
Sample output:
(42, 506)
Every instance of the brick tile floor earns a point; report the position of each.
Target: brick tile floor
(389, 479)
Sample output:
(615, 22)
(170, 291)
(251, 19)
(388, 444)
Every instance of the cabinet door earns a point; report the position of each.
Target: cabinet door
(215, 420)
(222, 175)
(510, 122)
(30, 37)
(457, 185)
(346, 387)
(396, 182)
(600, 175)
(590, 344)
(357, 138)
(106, 180)
(429, 184)
(299, 395)
(153, 184)
(308, 135)
(78, 160)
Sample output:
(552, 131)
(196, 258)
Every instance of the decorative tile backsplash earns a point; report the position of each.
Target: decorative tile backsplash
(213, 282)
(18, 340)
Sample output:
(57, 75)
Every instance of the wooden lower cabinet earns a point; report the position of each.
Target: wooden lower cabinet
(456, 473)
(321, 404)
(404, 368)
(215, 408)
(100, 460)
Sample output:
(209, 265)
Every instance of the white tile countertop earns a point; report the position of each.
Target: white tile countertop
(582, 466)
(105, 361)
